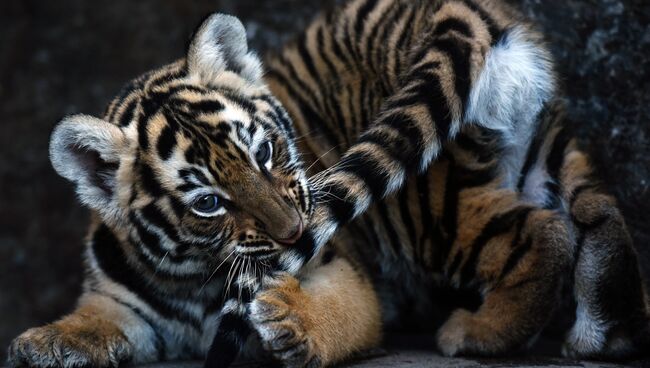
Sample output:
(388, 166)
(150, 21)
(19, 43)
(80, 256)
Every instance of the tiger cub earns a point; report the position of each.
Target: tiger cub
(439, 138)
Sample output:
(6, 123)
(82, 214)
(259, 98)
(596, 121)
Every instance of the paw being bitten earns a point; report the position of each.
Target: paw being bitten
(276, 316)
(61, 345)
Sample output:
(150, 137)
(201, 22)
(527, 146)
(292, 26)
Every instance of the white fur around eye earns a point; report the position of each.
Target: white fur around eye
(217, 210)
(220, 212)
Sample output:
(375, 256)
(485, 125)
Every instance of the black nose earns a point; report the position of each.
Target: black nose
(293, 238)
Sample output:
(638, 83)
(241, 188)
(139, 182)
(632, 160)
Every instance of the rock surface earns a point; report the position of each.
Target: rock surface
(72, 56)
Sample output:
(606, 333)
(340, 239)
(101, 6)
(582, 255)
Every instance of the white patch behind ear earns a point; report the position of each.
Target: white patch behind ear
(220, 44)
(86, 150)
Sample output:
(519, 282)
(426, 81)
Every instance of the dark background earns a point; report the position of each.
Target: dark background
(62, 57)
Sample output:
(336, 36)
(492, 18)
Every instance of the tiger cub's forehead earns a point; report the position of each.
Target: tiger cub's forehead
(216, 114)
(195, 138)
(208, 128)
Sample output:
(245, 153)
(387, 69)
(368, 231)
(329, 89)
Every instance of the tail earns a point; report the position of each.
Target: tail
(514, 82)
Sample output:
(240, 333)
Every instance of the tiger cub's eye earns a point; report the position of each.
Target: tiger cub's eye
(206, 205)
(263, 154)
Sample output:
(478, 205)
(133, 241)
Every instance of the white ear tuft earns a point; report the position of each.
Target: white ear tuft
(219, 45)
(86, 150)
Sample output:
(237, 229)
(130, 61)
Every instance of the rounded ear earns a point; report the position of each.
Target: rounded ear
(220, 44)
(86, 150)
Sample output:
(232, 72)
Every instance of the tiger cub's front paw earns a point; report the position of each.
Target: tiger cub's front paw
(70, 345)
(278, 316)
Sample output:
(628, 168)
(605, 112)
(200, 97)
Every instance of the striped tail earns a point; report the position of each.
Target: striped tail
(416, 121)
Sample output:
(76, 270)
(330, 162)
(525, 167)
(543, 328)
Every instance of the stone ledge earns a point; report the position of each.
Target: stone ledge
(421, 359)
(414, 358)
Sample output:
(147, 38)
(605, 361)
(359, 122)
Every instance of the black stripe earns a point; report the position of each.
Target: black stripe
(305, 89)
(320, 40)
(407, 147)
(383, 47)
(143, 122)
(347, 42)
(159, 342)
(517, 251)
(234, 96)
(407, 219)
(483, 151)
(426, 217)
(496, 226)
(305, 246)
(125, 92)
(531, 156)
(113, 262)
(372, 41)
(452, 24)
(338, 52)
(306, 58)
(347, 126)
(231, 335)
(311, 117)
(301, 197)
(404, 38)
(449, 221)
(554, 163)
(493, 29)
(166, 142)
(458, 51)
(362, 15)
(177, 89)
(367, 169)
(328, 257)
(150, 240)
(149, 181)
(189, 172)
(127, 114)
(162, 275)
(205, 106)
(394, 239)
(515, 257)
(166, 76)
(428, 91)
(365, 108)
(454, 264)
(187, 187)
(555, 157)
(279, 115)
(335, 197)
(469, 178)
(156, 217)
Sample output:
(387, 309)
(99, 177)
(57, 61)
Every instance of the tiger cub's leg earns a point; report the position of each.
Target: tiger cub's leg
(612, 317)
(319, 320)
(516, 255)
(99, 333)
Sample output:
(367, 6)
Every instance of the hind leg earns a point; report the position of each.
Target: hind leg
(516, 255)
(611, 317)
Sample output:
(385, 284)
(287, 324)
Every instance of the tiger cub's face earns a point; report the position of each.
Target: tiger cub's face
(193, 160)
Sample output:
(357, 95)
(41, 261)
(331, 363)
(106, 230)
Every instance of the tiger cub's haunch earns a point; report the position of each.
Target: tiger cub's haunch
(441, 143)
